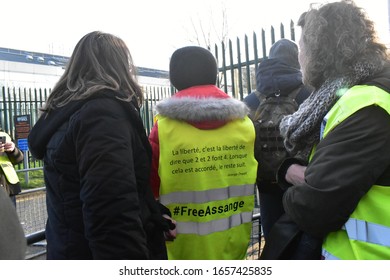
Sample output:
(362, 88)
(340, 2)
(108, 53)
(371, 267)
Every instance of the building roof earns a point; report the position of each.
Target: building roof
(22, 56)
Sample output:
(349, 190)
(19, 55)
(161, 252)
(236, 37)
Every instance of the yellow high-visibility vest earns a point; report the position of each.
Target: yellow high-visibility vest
(207, 182)
(6, 165)
(366, 234)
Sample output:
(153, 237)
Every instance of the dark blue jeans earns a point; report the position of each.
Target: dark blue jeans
(271, 208)
(307, 248)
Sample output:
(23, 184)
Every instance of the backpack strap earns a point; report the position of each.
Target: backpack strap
(296, 91)
(293, 94)
(260, 96)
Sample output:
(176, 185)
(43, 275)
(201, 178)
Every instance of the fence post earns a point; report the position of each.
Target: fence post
(232, 76)
(26, 166)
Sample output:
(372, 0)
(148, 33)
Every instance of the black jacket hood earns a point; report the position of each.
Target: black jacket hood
(48, 124)
(275, 76)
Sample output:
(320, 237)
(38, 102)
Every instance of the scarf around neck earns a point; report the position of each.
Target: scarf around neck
(301, 130)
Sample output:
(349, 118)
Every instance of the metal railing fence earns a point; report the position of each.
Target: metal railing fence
(31, 209)
(27, 101)
(237, 64)
(238, 59)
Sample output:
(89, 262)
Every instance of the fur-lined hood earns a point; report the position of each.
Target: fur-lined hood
(202, 104)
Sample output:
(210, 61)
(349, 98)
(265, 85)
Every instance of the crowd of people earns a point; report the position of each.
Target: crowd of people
(187, 190)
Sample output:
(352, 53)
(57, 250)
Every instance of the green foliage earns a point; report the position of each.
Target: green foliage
(35, 179)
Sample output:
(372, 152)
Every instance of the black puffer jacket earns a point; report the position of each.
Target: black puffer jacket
(96, 165)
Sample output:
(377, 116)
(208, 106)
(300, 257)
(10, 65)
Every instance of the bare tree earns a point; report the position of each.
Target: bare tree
(215, 29)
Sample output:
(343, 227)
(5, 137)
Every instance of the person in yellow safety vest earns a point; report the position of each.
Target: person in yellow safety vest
(10, 155)
(203, 166)
(343, 195)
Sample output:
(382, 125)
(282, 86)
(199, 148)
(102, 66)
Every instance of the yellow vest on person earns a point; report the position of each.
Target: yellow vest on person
(6, 165)
(366, 234)
(207, 181)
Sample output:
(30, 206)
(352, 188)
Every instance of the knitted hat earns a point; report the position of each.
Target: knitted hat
(287, 51)
(192, 66)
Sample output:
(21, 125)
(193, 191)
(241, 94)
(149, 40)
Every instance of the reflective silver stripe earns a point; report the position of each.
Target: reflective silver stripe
(213, 226)
(328, 256)
(368, 232)
(207, 196)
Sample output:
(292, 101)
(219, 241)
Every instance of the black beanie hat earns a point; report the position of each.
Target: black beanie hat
(192, 66)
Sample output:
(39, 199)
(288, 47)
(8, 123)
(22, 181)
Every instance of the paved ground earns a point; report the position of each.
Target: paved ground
(31, 208)
(36, 251)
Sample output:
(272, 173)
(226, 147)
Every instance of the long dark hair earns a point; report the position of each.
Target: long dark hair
(99, 61)
(336, 37)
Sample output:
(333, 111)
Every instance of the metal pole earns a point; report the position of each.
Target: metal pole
(25, 166)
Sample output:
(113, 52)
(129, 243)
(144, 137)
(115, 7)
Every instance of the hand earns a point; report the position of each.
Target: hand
(295, 174)
(170, 235)
(9, 147)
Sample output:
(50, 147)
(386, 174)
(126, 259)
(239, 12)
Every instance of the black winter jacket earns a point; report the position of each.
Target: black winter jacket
(274, 76)
(96, 165)
(352, 158)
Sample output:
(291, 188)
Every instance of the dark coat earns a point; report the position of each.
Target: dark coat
(97, 165)
(274, 76)
(352, 158)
